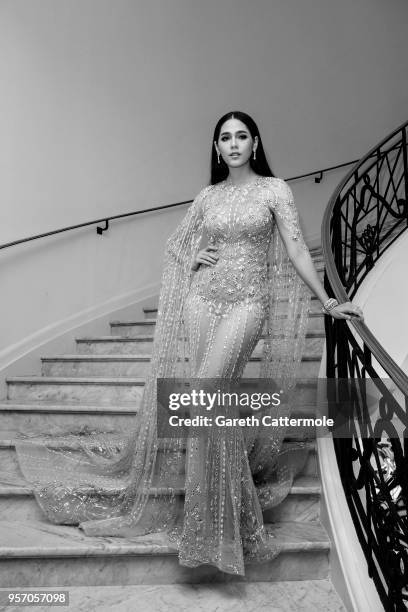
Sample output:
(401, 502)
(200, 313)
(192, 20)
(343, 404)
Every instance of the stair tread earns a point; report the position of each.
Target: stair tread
(302, 485)
(136, 322)
(149, 337)
(113, 338)
(155, 308)
(105, 357)
(8, 438)
(126, 380)
(67, 407)
(131, 409)
(44, 539)
(138, 357)
(152, 322)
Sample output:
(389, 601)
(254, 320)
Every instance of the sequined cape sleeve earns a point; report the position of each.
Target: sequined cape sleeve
(289, 297)
(104, 481)
(285, 211)
(181, 249)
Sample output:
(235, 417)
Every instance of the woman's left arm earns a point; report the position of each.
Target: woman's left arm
(287, 221)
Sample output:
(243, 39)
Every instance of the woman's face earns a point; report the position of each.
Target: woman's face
(235, 143)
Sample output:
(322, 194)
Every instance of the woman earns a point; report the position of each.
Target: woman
(214, 304)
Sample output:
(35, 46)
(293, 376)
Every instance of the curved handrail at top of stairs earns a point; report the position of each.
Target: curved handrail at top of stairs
(334, 280)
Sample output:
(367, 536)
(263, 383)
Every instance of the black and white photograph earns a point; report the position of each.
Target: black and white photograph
(204, 297)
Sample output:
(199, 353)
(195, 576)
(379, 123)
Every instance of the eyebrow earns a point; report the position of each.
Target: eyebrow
(237, 132)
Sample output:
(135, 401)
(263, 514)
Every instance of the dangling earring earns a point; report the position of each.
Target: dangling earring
(218, 156)
(254, 154)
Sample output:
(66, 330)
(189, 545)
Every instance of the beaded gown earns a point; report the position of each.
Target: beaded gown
(209, 322)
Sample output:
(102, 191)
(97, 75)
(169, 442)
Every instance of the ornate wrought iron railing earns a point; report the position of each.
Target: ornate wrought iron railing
(366, 214)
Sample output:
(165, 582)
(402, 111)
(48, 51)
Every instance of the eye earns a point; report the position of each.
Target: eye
(224, 138)
(243, 136)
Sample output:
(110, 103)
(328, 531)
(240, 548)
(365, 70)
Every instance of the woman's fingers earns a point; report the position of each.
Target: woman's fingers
(207, 256)
(348, 311)
(207, 260)
(204, 258)
(353, 311)
(211, 251)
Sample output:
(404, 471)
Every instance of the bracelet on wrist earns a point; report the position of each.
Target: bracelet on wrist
(329, 305)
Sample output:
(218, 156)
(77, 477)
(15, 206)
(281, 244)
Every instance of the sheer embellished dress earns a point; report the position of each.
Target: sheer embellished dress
(205, 494)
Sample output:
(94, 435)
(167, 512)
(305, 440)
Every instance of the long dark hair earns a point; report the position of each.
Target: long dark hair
(219, 171)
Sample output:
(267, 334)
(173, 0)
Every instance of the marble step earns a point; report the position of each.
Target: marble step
(75, 389)
(146, 325)
(282, 596)
(133, 329)
(107, 391)
(150, 313)
(43, 554)
(10, 471)
(139, 366)
(302, 503)
(57, 416)
(316, 317)
(108, 345)
(143, 345)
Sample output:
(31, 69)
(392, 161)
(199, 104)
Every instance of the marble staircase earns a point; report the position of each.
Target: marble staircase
(100, 386)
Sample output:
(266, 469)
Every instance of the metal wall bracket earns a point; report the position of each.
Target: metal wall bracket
(100, 230)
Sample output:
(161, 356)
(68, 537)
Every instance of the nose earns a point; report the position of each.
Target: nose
(233, 143)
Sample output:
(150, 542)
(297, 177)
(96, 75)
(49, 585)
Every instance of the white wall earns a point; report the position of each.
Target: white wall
(383, 295)
(109, 106)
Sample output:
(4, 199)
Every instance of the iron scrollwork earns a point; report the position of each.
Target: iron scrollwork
(368, 214)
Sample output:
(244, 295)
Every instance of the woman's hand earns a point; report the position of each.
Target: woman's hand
(347, 311)
(205, 257)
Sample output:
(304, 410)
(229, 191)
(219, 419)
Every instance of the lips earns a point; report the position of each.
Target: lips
(235, 155)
